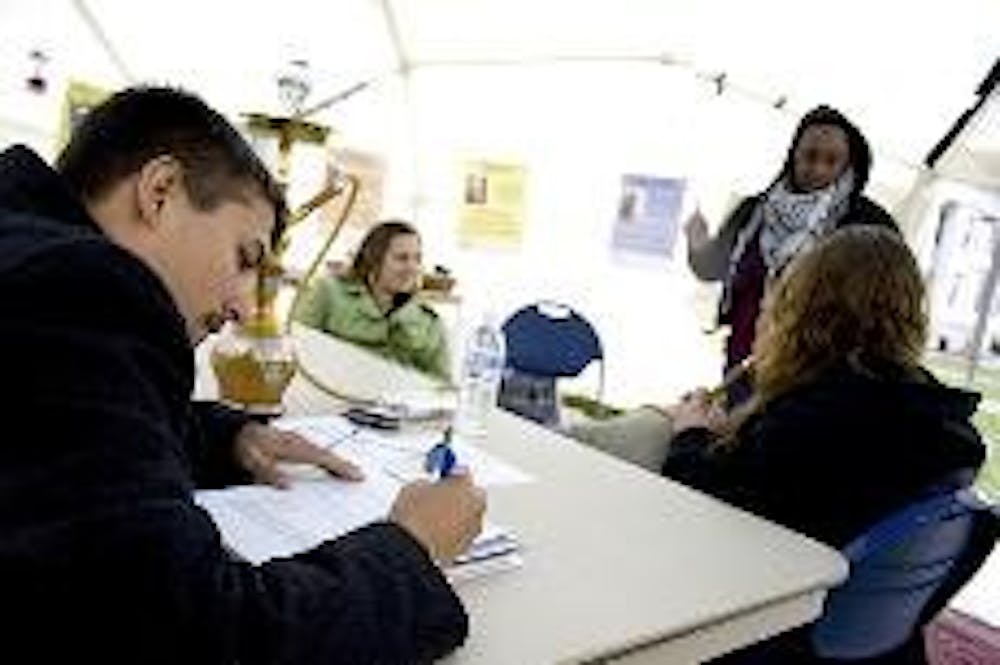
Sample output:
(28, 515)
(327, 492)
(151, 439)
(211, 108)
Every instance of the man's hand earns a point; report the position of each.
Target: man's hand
(444, 516)
(259, 449)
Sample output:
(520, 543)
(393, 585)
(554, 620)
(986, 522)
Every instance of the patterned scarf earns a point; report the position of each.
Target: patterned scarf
(791, 222)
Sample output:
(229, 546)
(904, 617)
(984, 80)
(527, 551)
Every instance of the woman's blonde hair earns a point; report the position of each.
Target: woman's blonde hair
(856, 296)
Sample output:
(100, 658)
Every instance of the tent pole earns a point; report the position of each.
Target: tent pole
(102, 37)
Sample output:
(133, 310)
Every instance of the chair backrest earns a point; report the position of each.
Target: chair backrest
(548, 339)
(903, 570)
(529, 396)
(545, 341)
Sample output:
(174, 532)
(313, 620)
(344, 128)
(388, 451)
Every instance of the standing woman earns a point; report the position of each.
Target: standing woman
(818, 191)
(374, 304)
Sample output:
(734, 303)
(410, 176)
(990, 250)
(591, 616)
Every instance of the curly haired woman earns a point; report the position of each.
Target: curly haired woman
(844, 425)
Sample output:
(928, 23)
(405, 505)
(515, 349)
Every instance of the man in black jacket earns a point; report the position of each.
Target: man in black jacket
(111, 269)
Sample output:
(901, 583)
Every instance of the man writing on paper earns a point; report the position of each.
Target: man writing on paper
(144, 239)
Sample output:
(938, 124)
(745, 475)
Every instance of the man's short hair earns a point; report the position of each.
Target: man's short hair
(138, 124)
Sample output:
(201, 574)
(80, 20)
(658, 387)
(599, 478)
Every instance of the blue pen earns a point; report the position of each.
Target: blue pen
(441, 458)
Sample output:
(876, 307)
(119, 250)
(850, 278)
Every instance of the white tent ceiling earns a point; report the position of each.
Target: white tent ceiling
(581, 92)
(975, 159)
(905, 70)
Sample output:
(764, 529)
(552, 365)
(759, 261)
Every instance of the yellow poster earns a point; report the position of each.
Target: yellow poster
(492, 207)
(80, 98)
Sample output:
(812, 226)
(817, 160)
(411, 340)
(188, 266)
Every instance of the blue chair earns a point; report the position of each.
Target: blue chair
(545, 341)
(904, 570)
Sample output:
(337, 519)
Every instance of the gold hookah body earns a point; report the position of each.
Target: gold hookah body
(254, 361)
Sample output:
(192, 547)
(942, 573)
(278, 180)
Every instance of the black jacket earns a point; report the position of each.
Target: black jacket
(711, 261)
(828, 459)
(104, 557)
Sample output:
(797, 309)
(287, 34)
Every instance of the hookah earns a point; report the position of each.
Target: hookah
(254, 360)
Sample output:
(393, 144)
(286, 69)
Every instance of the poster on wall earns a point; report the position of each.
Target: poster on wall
(648, 213)
(370, 171)
(491, 212)
(80, 99)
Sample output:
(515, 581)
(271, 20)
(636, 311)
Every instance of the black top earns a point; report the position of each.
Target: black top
(711, 261)
(104, 557)
(828, 459)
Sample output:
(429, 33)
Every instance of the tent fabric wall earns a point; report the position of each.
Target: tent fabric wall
(580, 93)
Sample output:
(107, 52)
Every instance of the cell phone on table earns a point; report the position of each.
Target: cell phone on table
(373, 418)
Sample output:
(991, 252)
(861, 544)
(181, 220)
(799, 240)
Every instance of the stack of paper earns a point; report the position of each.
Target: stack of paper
(260, 523)
(495, 549)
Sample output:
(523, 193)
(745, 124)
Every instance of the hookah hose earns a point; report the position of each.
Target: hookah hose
(307, 208)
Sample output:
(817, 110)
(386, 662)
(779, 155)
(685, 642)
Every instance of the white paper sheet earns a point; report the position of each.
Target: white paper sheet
(260, 523)
(400, 454)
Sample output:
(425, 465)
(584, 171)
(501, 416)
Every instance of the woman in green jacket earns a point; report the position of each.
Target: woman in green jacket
(373, 305)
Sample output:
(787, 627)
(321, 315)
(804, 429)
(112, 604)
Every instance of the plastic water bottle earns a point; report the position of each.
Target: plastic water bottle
(482, 369)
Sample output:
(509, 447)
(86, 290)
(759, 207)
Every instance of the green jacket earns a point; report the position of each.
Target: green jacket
(412, 334)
